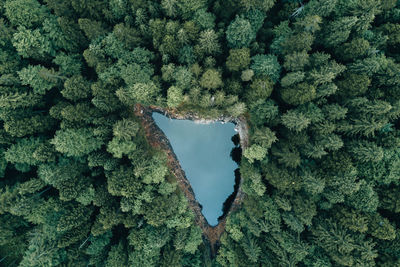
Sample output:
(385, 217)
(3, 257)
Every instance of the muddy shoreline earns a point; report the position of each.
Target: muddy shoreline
(157, 139)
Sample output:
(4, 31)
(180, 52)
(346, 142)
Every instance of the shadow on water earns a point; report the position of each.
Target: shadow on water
(236, 155)
(157, 139)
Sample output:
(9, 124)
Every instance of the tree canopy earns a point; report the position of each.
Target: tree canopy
(318, 82)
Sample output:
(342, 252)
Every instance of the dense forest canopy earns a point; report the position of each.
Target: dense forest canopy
(318, 80)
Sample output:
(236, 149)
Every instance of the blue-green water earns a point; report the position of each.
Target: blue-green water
(203, 151)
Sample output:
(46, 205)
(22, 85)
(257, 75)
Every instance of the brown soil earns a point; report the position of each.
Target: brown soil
(158, 140)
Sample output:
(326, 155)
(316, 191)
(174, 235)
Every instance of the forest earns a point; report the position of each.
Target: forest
(317, 80)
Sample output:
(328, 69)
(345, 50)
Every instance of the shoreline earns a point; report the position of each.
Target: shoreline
(157, 139)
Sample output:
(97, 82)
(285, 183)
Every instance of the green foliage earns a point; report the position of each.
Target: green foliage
(266, 65)
(117, 256)
(295, 120)
(238, 59)
(296, 61)
(20, 127)
(338, 31)
(239, 33)
(357, 48)
(76, 142)
(38, 77)
(76, 88)
(19, 100)
(349, 250)
(125, 129)
(152, 170)
(316, 81)
(27, 13)
(300, 42)
(69, 64)
(259, 89)
(247, 75)
(208, 43)
(144, 93)
(255, 152)
(204, 19)
(256, 18)
(32, 44)
(175, 96)
(22, 152)
(393, 32)
(354, 84)
(186, 55)
(183, 78)
(365, 199)
(118, 147)
(365, 151)
(264, 5)
(188, 7)
(299, 94)
(211, 79)
(263, 111)
(42, 251)
(237, 109)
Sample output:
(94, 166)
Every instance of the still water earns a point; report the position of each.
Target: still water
(203, 151)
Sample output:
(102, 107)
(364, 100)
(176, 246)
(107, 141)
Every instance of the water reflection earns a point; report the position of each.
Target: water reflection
(205, 153)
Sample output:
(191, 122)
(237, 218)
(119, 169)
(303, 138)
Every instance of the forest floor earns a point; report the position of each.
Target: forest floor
(158, 140)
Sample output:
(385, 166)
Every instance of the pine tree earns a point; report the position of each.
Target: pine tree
(38, 78)
(175, 96)
(266, 65)
(239, 33)
(144, 93)
(76, 88)
(32, 44)
(27, 13)
(295, 121)
(238, 59)
(76, 142)
(211, 79)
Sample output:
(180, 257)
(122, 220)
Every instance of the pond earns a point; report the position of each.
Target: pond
(203, 151)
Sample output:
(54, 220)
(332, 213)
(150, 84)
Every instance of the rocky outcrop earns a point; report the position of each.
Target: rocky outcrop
(158, 140)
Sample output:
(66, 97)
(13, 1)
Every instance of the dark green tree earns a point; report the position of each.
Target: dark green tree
(239, 33)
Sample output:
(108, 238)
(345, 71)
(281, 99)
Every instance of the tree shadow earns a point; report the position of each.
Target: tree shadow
(236, 155)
